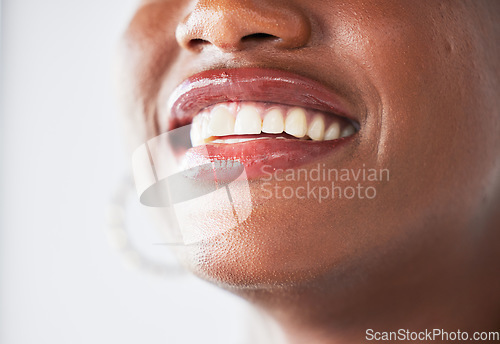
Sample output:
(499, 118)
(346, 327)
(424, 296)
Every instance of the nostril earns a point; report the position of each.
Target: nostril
(256, 38)
(197, 42)
(259, 37)
(232, 26)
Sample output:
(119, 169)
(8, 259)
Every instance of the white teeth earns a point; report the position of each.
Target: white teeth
(239, 140)
(248, 121)
(221, 122)
(230, 141)
(273, 122)
(196, 132)
(316, 129)
(296, 122)
(204, 126)
(333, 132)
(348, 131)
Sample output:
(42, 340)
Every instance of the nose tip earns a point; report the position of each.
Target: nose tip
(238, 25)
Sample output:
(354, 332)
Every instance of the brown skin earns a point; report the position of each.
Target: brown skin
(424, 78)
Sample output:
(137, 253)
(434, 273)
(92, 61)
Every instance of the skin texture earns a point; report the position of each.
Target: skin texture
(424, 79)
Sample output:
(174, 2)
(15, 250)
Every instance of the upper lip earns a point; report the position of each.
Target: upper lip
(252, 84)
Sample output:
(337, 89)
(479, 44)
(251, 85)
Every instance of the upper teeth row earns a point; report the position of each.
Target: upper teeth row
(250, 118)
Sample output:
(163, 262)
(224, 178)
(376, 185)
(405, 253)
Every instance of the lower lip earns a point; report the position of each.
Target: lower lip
(260, 157)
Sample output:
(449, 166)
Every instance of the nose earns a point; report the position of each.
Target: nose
(234, 25)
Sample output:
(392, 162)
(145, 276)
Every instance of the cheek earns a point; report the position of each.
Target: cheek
(148, 50)
(437, 129)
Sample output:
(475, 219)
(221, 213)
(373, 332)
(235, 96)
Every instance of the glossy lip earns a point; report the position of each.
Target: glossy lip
(260, 85)
(252, 84)
(259, 156)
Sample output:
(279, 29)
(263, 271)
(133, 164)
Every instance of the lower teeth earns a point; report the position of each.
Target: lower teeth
(240, 140)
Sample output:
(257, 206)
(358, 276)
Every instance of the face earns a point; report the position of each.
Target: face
(409, 84)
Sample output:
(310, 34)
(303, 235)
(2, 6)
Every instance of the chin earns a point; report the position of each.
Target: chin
(294, 243)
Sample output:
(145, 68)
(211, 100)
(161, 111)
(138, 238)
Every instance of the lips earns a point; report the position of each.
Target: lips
(251, 84)
(260, 117)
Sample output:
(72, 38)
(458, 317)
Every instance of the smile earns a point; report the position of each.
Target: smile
(260, 117)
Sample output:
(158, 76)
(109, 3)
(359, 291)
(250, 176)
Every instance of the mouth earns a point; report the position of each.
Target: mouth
(260, 117)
